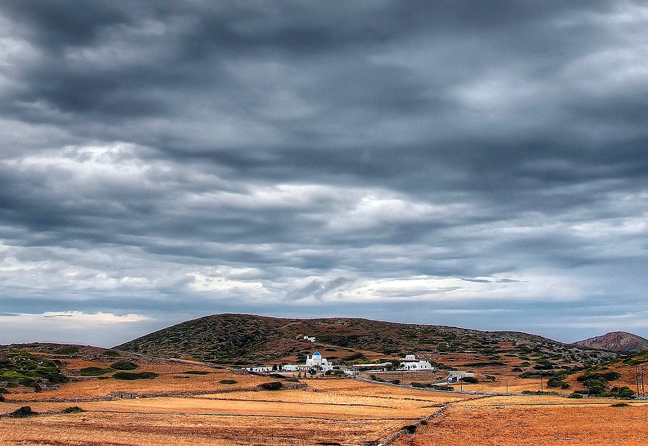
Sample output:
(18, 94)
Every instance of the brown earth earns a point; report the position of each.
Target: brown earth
(523, 422)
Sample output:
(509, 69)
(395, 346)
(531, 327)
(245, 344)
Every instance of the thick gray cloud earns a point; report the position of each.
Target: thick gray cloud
(479, 164)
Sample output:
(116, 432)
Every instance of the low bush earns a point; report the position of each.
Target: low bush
(611, 376)
(129, 376)
(576, 395)
(228, 381)
(23, 412)
(124, 365)
(94, 371)
(624, 392)
(410, 428)
(2, 398)
(195, 372)
(470, 380)
(73, 409)
(555, 382)
(273, 385)
(620, 405)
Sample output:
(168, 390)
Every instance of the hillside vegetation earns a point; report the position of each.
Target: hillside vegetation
(243, 339)
(20, 368)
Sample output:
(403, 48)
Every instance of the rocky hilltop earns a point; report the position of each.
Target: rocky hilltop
(616, 341)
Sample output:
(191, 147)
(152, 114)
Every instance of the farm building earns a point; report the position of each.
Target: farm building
(409, 362)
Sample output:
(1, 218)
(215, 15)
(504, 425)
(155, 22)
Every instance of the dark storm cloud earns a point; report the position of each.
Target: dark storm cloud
(214, 156)
(56, 23)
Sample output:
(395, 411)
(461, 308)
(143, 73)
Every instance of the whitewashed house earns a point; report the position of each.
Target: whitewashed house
(312, 362)
(409, 362)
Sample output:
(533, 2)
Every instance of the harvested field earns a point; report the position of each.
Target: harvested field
(333, 411)
(534, 421)
(199, 407)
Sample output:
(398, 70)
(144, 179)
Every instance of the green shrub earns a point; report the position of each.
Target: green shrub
(73, 409)
(2, 398)
(624, 392)
(129, 376)
(23, 412)
(195, 372)
(94, 371)
(124, 365)
(470, 380)
(395, 381)
(228, 381)
(576, 395)
(273, 385)
(611, 376)
(620, 405)
(555, 382)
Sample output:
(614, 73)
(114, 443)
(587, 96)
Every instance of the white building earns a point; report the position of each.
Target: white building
(317, 361)
(260, 369)
(409, 362)
(312, 362)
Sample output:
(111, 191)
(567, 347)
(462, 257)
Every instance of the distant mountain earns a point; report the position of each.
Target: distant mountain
(617, 341)
(244, 339)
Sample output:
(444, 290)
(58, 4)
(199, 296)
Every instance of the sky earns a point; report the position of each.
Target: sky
(465, 163)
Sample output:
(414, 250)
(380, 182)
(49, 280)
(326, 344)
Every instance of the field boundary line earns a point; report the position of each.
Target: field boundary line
(416, 425)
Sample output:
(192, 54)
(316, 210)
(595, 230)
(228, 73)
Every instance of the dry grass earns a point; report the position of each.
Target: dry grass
(187, 409)
(534, 421)
(338, 410)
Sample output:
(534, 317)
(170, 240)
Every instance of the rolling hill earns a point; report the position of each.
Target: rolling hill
(246, 339)
(617, 341)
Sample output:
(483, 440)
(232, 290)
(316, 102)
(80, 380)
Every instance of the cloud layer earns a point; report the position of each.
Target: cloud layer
(437, 162)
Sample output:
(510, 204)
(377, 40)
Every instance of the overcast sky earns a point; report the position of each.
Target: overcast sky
(467, 163)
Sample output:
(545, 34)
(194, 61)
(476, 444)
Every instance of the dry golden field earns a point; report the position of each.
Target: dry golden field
(179, 408)
(534, 421)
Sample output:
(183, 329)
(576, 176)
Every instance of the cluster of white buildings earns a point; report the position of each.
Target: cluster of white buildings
(312, 362)
(317, 362)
